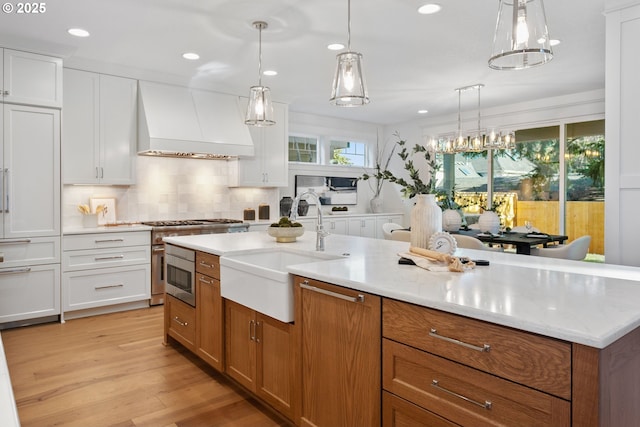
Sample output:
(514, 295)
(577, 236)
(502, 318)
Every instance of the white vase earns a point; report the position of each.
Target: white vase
(376, 204)
(426, 220)
(489, 222)
(451, 220)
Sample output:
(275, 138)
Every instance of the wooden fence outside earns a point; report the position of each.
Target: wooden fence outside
(581, 218)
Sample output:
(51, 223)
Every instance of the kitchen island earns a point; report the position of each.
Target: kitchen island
(591, 308)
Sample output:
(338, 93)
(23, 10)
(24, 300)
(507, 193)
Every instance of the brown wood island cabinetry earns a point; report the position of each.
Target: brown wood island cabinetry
(209, 311)
(356, 359)
(471, 372)
(180, 322)
(200, 328)
(260, 355)
(340, 360)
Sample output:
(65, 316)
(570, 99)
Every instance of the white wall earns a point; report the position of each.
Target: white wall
(622, 161)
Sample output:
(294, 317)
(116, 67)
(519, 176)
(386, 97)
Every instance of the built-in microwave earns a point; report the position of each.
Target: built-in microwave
(180, 274)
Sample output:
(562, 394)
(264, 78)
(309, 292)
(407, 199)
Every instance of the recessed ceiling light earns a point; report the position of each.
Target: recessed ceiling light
(423, 111)
(270, 73)
(191, 56)
(78, 32)
(335, 46)
(429, 8)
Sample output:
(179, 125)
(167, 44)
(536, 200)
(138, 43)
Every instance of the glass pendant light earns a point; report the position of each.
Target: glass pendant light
(521, 39)
(349, 88)
(260, 109)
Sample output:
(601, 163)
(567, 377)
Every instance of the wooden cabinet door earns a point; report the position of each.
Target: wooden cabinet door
(397, 412)
(275, 368)
(240, 349)
(179, 322)
(209, 321)
(341, 351)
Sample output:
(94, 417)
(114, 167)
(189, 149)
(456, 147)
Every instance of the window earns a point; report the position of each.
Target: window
(556, 184)
(327, 151)
(303, 149)
(347, 153)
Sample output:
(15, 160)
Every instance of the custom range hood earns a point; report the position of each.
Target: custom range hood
(176, 121)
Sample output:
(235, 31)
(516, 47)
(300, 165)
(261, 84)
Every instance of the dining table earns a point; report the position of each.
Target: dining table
(523, 242)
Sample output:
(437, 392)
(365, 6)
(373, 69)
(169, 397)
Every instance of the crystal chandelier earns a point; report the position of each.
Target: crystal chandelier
(521, 38)
(473, 141)
(260, 109)
(349, 88)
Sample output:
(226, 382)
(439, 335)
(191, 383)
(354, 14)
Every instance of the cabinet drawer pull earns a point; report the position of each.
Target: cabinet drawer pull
(486, 405)
(109, 240)
(434, 333)
(14, 241)
(252, 330)
(16, 270)
(203, 280)
(119, 285)
(104, 258)
(205, 265)
(305, 285)
(180, 322)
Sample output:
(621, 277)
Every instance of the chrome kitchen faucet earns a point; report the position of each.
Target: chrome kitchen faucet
(320, 232)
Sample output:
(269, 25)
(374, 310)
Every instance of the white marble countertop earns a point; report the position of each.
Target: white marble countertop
(102, 229)
(8, 410)
(590, 304)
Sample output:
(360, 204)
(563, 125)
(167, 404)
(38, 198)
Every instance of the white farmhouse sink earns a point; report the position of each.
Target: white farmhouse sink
(259, 279)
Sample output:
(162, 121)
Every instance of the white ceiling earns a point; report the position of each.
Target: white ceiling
(411, 61)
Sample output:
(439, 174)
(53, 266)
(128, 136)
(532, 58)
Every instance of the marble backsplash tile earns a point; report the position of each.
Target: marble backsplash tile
(171, 188)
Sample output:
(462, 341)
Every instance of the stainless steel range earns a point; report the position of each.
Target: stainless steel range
(162, 229)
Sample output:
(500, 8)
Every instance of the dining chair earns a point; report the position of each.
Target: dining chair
(576, 250)
(401, 235)
(388, 227)
(469, 242)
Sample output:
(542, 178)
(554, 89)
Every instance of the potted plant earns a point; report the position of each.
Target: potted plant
(426, 216)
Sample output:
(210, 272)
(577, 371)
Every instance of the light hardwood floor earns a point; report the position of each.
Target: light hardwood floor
(112, 370)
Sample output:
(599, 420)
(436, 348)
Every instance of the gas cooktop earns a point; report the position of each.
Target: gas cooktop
(187, 222)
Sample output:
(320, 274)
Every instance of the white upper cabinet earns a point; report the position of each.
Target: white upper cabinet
(99, 128)
(269, 167)
(31, 79)
(30, 172)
